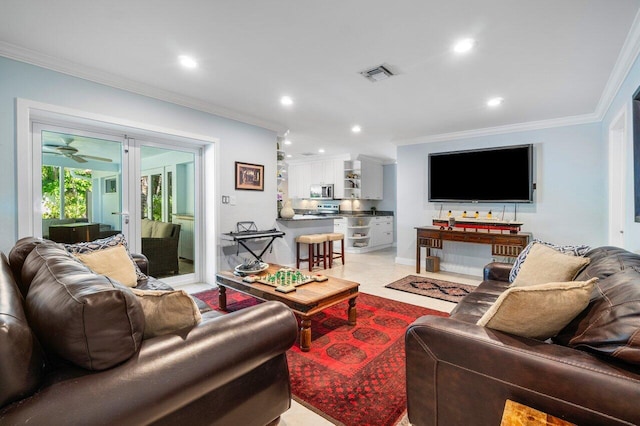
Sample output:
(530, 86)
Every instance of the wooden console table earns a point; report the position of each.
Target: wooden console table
(502, 244)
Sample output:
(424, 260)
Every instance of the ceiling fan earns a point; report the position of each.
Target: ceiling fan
(71, 152)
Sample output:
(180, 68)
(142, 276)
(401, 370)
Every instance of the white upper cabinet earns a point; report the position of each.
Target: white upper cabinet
(371, 179)
(360, 179)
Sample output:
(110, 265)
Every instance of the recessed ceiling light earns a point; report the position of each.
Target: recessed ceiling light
(286, 100)
(289, 155)
(464, 45)
(287, 142)
(356, 129)
(321, 150)
(187, 61)
(494, 102)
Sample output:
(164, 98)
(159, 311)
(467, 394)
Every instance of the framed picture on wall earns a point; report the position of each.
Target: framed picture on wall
(249, 176)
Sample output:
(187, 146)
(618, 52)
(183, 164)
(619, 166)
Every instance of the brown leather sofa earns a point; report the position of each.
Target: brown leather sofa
(228, 369)
(459, 373)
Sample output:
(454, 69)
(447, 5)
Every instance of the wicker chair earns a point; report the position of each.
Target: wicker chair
(160, 245)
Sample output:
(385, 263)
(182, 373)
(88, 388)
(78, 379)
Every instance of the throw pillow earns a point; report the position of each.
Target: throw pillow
(101, 244)
(167, 311)
(544, 265)
(538, 311)
(611, 323)
(113, 262)
(579, 250)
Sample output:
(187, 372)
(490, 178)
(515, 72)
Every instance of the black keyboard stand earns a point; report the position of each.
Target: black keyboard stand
(241, 237)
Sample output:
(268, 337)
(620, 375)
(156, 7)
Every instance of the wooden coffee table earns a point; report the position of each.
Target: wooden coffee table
(307, 300)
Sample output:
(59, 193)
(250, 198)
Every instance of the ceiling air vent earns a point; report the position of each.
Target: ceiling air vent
(308, 154)
(381, 72)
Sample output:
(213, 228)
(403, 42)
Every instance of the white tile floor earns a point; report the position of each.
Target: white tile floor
(373, 271)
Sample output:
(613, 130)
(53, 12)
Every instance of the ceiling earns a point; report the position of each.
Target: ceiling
(552, 61)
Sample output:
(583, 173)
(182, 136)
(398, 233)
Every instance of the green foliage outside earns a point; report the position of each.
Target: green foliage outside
(75, 192)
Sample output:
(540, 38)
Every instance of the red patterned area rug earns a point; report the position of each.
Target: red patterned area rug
(353, 375)
(430, 287)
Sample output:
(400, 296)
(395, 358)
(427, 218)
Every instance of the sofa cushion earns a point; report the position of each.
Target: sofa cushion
(162, 230)
(21, 358)
(147, 228)
(80, 316)
(101, 244)
(545, 265)
(113, 262)
(611, 323)
(538, 311)
(572, 250)
(167, 311)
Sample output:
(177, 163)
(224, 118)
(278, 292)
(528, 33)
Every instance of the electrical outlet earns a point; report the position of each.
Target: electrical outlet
(225, 199)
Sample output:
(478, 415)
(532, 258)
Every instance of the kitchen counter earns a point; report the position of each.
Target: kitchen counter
(312, 216)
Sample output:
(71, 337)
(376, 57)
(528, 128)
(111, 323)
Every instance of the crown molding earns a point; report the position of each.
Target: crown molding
(626, 59)
(511, 128)
(39, 59)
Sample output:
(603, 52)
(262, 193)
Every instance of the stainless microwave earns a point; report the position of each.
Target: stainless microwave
(321, 192)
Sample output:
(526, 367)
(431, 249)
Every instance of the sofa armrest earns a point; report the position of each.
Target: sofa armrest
(168, 373)
(480, 368)
(142, 262)
(497, 271)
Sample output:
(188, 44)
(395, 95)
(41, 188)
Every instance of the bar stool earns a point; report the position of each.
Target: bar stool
(314, 253)
(331, 237)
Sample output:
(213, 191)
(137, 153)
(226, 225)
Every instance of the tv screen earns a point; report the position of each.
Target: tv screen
(487, 175)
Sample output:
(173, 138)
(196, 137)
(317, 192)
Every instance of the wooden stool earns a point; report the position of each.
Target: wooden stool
(314, 257)
(331, 237)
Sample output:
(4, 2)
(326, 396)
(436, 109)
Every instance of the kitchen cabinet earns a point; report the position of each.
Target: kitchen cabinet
(304, 174)
(381, 231)
(365, 233)
(299, 180)
(371, 179)
(357, 179)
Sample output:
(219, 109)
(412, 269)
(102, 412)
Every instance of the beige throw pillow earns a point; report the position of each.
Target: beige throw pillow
(545, 265)
(167, 311)
(114, 262)
(538, 311)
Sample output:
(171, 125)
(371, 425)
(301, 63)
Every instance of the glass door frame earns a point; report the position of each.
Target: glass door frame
(37, 128)
(29, 111)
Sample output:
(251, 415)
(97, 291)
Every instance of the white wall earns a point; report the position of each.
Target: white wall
(238, 141)
(570, 203)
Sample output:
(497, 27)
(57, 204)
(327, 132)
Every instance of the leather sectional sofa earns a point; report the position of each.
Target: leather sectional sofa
(459, 373)
(228, 369)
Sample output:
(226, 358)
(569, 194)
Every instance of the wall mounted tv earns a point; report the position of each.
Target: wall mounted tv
(490, 175)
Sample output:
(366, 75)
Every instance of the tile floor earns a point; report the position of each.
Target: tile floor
(373, 271)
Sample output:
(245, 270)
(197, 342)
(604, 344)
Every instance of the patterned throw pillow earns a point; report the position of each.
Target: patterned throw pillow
(101, 244)
(570, 250)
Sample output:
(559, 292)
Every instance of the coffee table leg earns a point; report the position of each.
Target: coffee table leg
(222, 297)
(351, 311)
(305, 334)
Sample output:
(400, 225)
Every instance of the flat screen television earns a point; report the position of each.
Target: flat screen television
(489, 175)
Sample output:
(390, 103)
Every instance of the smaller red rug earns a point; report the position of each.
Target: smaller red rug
(431, 287)
(353, 375)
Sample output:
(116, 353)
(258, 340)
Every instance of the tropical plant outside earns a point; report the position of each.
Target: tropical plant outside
(77, 184)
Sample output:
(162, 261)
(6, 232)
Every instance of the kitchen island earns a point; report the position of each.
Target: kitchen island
(296, 226)
(364, 231)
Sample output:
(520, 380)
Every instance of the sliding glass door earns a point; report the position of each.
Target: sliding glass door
(82, 194)
(96, 185)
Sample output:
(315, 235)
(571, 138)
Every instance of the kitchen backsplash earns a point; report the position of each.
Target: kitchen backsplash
(346, 206)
